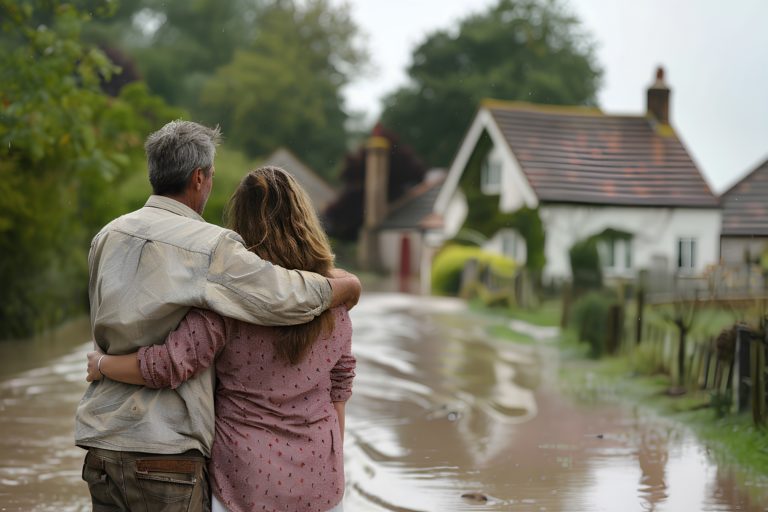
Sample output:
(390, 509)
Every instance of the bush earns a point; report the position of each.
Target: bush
(590, 317)
(449, 264)
(585, 265)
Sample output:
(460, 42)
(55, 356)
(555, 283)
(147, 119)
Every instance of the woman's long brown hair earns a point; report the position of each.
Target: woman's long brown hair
(277, 221)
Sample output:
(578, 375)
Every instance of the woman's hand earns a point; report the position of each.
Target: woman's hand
(93, 366)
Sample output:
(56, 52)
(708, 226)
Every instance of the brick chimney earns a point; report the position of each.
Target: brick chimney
(376, 178)
(375, 202)
(658, 98)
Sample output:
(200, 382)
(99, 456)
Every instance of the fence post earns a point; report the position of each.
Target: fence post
(640, 306)
(565, 313)
(613, 328)
(758, 381)
(469, 278)
(740, 382)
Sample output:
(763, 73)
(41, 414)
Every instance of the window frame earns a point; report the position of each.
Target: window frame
(686, 259)
(490, 168)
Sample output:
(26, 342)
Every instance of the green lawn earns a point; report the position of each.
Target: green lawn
(547, 314)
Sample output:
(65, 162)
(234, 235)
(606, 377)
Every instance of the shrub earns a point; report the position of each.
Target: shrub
(449, 264)
(590, 317)
(585, 265)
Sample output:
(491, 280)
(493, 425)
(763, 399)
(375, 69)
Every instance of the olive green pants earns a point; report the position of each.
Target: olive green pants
(144, 482)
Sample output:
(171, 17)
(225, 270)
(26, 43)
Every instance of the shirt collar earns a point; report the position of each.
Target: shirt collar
(173, 206)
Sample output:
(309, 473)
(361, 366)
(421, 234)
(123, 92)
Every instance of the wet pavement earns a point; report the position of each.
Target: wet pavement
(443, 418)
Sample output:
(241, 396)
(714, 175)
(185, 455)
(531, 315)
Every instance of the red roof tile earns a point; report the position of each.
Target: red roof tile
(580, 155)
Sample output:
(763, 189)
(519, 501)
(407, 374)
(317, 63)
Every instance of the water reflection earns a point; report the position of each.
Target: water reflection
(439, 412)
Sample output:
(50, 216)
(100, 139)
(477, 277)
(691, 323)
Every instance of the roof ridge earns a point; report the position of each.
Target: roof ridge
(548, 108)
(493, 103)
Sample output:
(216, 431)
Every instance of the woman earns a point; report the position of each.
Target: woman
(280, 391)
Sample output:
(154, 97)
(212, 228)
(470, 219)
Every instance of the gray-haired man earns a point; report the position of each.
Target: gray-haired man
(147, 447)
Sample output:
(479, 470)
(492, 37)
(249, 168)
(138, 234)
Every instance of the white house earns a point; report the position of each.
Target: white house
(588, 173)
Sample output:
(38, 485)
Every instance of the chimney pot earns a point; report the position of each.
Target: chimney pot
(657, 98)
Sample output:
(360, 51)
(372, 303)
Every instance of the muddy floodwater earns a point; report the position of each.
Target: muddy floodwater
(443, 418)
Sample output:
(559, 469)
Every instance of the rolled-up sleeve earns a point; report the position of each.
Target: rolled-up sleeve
(243, 286)
(187, 351)
(343, 373)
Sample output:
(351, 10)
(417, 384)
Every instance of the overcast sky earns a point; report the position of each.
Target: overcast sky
(715, 54)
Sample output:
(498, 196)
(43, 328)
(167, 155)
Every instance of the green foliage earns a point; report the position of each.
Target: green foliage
(585, 265)
(529, 50)
(270, 72)
(590, 317)
(485, 218)
(721, 402)
(449, 264)
(63, 142)
(284, 89)
(178, 44)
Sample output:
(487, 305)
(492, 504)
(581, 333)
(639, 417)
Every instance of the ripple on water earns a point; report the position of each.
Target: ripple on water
(438, 412)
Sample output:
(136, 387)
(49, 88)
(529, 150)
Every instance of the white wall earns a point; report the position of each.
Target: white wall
(389, 250)
(513, 182)
(455, 213)
(655, 230)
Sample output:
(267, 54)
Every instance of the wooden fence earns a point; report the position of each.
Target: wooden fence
(732, 366)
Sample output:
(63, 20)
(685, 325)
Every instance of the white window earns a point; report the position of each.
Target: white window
(615, 254)
(513, 245)
(490, 176)
(686, 254)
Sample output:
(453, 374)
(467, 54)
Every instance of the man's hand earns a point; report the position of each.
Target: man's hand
(93, 366)
(346, 288)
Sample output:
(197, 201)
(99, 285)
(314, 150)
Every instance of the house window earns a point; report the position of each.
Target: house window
(490, 176)
(686, 254)
(615, 254)
(513, 245)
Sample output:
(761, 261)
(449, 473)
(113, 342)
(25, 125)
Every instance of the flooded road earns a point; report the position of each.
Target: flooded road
(443, 418)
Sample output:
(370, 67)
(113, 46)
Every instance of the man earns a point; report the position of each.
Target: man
(147, 448)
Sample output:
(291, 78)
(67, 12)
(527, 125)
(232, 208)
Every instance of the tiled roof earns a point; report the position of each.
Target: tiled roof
(580, 155)
(745, 205)
(414, 211)
(319, 191)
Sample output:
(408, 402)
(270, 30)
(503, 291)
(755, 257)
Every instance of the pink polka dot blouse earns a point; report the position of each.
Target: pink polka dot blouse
(277, 445)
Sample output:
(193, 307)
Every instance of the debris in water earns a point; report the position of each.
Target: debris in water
(475, 496)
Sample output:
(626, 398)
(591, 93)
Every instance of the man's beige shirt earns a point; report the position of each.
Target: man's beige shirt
(147, 268)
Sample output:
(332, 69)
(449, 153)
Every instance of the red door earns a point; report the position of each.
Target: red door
(405, 257)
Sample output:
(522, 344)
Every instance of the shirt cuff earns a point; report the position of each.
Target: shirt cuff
(145, 367)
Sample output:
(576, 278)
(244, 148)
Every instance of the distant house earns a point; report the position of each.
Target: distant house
(626, 180)
(318, 189)
(404, 233)
(744, 233)
(395, 237)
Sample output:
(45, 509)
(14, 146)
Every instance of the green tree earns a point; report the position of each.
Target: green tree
(63, 143)
(177, 44)
(528, 50)
(285, 88)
